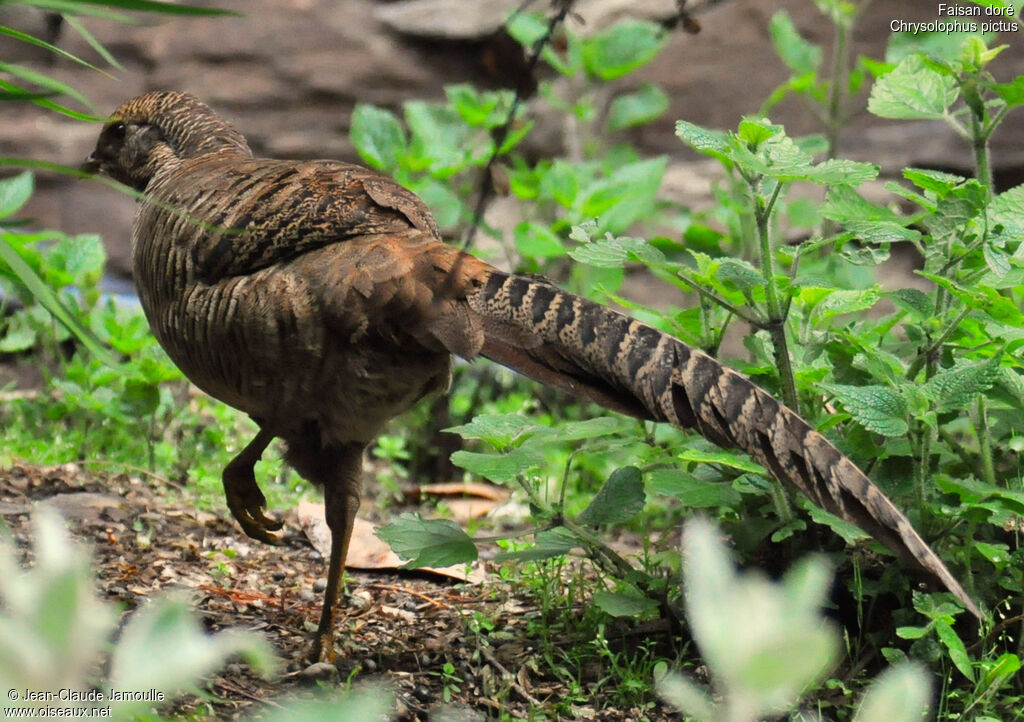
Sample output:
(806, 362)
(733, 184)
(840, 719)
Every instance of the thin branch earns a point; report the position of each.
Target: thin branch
(485, 186)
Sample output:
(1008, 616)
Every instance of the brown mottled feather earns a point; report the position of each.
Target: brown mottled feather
(317, 297)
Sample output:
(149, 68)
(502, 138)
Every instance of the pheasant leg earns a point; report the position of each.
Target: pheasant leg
(341, 502)
(244, 498)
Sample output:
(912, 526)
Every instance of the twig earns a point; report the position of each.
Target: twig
(485, 185)
(392, 588)
(511, 678)
(131, 467)
(994, 632)
(235, 689)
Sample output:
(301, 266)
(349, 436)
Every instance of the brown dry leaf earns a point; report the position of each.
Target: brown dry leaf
(367, 551)
(464, 510)
(471, 500)
(467, 488)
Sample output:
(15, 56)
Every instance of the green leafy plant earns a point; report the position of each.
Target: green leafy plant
(767, 643)
(54, 631)
(919, 385)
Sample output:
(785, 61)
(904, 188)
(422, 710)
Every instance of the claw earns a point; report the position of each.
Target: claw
(243, 495)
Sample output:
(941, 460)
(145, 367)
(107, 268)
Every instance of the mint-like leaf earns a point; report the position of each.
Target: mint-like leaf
(877, 408)
(377, 136)
(620, 499)
(913, 90)
(428, 542)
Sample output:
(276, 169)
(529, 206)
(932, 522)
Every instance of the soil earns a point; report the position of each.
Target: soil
(146, 538)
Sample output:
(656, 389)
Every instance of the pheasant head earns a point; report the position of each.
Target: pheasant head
(155, 132)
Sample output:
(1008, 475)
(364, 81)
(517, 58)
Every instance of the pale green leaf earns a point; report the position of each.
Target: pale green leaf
(877, 408)
(377, 136)
(428, 542)
(619, 500)
(912, 91)
(643, 105)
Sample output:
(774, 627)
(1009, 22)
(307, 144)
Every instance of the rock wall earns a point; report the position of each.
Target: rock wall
(288, 72)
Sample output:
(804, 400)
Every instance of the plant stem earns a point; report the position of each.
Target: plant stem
(922, 467)
(605, 557)
(926, 355)
(715, 297)
(979, 146)
(776, 322)
(985, 443)
(835, 118)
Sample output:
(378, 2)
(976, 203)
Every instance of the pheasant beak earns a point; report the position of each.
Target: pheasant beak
(91, 165)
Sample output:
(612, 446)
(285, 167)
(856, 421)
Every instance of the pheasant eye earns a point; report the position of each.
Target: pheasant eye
(117, 131)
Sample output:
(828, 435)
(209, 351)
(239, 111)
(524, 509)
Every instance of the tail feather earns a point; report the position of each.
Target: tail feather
(590, 350)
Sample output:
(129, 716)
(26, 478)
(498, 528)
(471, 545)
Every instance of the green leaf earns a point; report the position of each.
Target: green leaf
(843, 301)
(31, 40)
(956, 388)
(622, 48)
(703, 140)
(839, 171)
(15, 192)
(377, 136)
(955, 646)
(642, 106)
(799, 55)
(81, 257)
(75, 24)
(766, 639)
(598, 427)
(935, 181)
(500, 468)
(1012, 93)
(899, 694)
(911, 632)
(755, 131)
(186, 652)
(997, 260)
(537, 240)
(428, 542)
(44, 81)
(691, 491)
(1007, 210)
(776, 155)
(18, 336)
(877, 408)
(140, 396)
(999, 673)
(739, 274)
(367, 701)
(151, 6)
(730, 459)
(624, 196)
(442, 201)
(439, 137)
(686, 696)
(619, 604)
(499, 430)
(913, 90)
(850, 533)
(562, 182)
(615, 252)
(479, 109)
(619, 500)
(844, 204)
(913, 300)
(549, 543)
(49, 300)
(956, 209)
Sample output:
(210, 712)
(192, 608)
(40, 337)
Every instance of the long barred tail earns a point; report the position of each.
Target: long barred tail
(588, 349)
